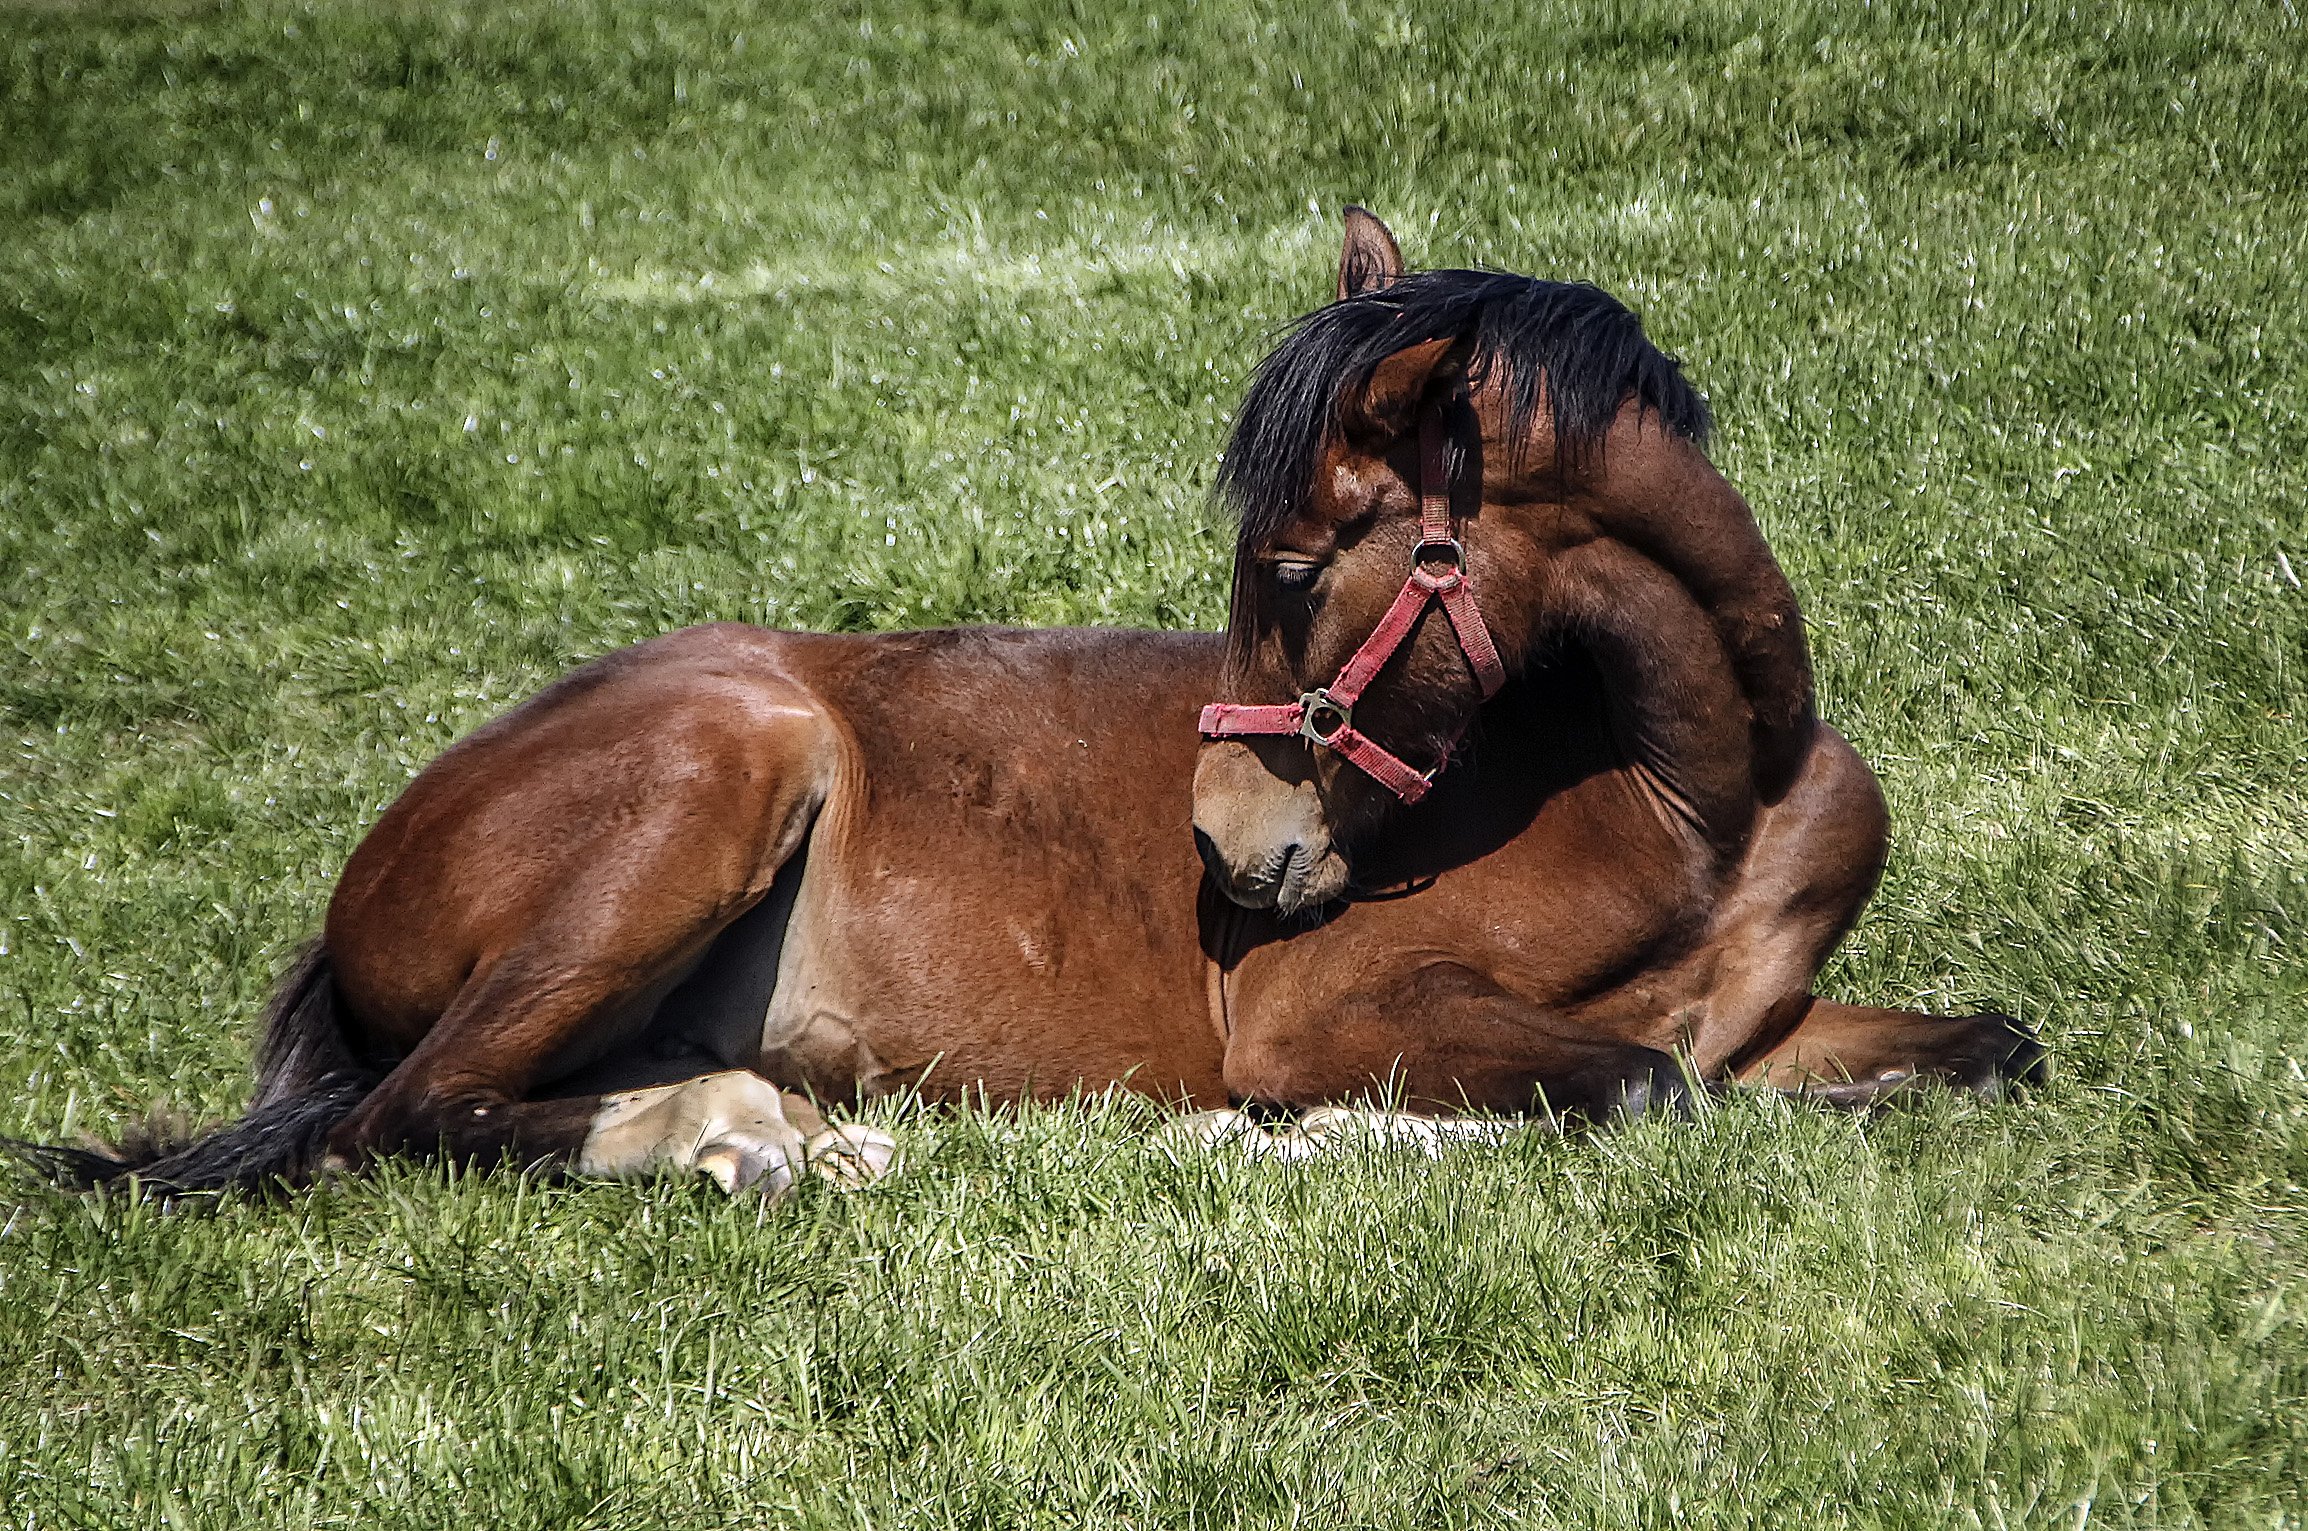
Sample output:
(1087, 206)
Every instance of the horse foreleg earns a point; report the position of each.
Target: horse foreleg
(1810, 866)
(1446, 1038)
(1855, 1055)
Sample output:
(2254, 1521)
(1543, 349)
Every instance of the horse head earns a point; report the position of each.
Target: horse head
(1422, 477)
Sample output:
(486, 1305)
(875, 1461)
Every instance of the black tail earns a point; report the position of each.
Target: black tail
(308, 1079)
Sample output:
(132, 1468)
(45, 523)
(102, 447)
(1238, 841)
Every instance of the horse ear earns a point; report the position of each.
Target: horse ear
(1388, 404)
(1371, 259)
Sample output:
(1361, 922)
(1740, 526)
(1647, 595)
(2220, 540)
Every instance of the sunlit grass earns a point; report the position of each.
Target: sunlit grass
(363, 366)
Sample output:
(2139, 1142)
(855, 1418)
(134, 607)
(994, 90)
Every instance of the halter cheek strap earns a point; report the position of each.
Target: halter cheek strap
(1438, 572)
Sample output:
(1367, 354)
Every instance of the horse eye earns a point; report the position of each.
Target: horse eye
(1296, 574)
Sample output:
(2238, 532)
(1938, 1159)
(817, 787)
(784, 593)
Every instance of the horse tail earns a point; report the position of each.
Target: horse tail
(302, 1043)
(308, 1078)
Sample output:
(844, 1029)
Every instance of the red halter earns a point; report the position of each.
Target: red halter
(1325, 715)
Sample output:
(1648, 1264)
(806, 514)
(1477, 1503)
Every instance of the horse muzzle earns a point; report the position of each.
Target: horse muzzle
(1263, 837)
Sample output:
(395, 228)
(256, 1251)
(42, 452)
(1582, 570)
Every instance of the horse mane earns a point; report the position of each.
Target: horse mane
(1571, 342)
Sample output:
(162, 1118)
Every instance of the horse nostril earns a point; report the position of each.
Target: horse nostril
(1208, 850)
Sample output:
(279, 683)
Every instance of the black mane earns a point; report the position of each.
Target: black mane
(1585, 346)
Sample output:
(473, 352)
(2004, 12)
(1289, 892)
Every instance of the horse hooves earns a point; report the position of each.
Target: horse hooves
(1980, 1055)
(1996, 1051)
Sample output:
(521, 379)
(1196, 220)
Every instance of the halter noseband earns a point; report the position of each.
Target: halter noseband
(1325, 715)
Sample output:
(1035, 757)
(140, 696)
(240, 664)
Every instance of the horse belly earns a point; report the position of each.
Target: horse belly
(894, 975)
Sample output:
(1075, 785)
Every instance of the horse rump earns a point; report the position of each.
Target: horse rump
(308, 1079)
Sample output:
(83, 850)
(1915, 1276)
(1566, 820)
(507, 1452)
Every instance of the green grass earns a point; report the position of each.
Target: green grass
(362, 366)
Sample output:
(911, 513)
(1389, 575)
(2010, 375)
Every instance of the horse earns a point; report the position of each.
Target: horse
(1562, 837)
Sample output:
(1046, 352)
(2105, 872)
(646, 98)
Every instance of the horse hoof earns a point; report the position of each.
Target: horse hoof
(2018, 1058)
(736, 1165)
(1995, 1051)
(851, 1155)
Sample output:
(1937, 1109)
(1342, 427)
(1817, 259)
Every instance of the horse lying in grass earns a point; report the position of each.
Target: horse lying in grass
(638, 922)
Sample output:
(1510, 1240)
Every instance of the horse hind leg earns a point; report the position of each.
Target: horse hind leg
(555, 891)
(466, 1093)
(663, 1106)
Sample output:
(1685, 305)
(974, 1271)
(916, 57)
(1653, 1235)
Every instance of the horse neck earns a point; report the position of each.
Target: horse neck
(1675, 719)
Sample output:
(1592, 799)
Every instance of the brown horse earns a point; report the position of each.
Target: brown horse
(634, 922)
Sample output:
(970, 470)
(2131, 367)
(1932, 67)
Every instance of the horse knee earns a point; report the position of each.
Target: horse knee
(1630, 1084)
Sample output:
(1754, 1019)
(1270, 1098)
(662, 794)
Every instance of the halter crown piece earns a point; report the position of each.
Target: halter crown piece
(1438, 572)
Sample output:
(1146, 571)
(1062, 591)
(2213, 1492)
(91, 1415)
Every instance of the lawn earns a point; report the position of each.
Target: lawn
(365, 365)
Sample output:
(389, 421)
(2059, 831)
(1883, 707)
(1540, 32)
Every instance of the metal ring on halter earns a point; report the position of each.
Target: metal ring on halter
(1457, 553)
(1319, 701)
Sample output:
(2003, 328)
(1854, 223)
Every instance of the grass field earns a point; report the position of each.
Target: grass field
(364, 365)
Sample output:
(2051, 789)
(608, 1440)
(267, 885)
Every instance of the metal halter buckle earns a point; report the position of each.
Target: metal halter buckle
(1317, 704)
